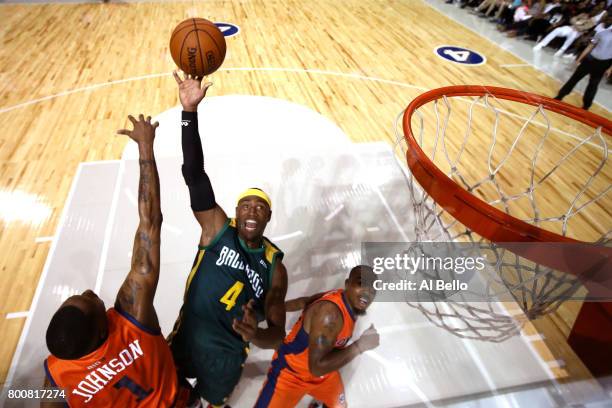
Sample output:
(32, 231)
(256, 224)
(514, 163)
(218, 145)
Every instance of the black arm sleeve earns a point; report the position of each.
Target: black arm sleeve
(201, 193)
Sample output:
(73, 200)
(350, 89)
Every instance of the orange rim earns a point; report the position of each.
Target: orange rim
(482, 218)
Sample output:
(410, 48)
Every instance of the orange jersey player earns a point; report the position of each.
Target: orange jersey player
(308, 360)
(118, 357)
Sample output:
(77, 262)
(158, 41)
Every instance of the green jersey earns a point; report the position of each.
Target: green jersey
(225, 275)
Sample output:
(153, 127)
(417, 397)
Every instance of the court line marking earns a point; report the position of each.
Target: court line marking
(110, 223)
(17, 315)
(263, 69)
(77, 90)
(556, 363)
(335, 212)
(41, 282)
(40, 240)
(278, 69)
(534, 337)
(537, 123)
(287, 236)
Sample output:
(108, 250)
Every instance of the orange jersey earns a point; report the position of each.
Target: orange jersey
(294, 349)
(132, 368)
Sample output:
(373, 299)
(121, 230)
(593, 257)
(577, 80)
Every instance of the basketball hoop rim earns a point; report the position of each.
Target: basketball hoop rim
(477, 215)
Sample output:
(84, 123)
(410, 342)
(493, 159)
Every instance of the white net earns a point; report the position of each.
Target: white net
(531, 163)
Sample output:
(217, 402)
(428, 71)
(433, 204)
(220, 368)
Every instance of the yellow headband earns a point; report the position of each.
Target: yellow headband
(255, 192)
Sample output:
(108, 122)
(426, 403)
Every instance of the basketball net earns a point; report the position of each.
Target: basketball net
(443, 126)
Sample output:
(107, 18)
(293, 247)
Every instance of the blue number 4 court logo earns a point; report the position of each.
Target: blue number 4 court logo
(459, 55)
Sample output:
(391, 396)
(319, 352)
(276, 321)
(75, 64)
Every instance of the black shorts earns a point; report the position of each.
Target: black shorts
(217, 372)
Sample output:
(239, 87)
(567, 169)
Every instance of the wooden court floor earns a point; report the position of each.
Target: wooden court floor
(70, 74)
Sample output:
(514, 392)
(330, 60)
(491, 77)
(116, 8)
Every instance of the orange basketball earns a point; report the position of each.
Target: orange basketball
(197, 47)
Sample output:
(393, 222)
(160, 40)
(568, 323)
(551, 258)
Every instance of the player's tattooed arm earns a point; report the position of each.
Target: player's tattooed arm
(272, 336)
(138, 290)
(325, 325)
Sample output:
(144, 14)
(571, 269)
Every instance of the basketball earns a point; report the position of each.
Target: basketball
(197, 47)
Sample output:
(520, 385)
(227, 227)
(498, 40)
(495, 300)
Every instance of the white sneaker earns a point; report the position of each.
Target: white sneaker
(537, 47)
(569, 56)
(558, 53)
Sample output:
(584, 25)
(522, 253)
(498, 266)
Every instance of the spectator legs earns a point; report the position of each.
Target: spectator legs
(569, 40)
(557, 32)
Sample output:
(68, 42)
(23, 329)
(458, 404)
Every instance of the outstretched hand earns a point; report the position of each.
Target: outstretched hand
(191, 91)
(144, 130)
(369, 340)
(247, 326)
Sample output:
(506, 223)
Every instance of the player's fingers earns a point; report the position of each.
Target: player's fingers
(124, 132)
(148, 119)
(177, 78)
(131, 118)
(206, 86)
(141, 117)
(155, 125)
(240, 327)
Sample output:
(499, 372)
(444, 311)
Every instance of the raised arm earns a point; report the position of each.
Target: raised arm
(325, 325)
(273, 335)
(138, 290)
(209, 215)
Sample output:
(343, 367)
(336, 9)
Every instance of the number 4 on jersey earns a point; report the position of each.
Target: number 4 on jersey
(229, 299)
(460, 56)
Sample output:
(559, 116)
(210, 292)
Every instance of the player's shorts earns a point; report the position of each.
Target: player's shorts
(284, 389)
(217, 372)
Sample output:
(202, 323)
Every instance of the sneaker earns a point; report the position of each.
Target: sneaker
(559, 53)
(537, 47)
(569, 56)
